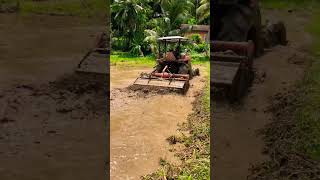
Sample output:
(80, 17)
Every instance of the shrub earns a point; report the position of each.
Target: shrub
(196, 38)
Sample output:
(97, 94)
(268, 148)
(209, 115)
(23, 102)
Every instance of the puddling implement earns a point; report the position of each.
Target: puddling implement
(167, 80)
(173, 69)
(232, 69)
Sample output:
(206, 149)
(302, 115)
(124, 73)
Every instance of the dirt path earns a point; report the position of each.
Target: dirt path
(51, 120)
(237, 145)
(140, 124)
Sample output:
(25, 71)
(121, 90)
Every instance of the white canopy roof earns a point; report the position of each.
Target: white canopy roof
(171, 37)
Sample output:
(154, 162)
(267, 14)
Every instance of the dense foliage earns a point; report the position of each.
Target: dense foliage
(136, 24)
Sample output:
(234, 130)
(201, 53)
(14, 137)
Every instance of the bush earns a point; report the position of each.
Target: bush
(118, 43)
(136, 50)
(196, 38)
(200, 48)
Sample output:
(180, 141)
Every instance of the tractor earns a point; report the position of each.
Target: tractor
(238, 37)
(173, 67)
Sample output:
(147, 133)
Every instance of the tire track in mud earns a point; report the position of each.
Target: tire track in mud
(236, 144)
(140, 122)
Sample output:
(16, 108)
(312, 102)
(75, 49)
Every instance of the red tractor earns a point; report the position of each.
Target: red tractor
(173, 69)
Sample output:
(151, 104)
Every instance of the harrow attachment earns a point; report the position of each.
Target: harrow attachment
(178, 82)
(232, 67)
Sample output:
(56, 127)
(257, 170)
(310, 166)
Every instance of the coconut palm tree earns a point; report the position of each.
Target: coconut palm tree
(177, 11)
(203, 11)
(128, 17)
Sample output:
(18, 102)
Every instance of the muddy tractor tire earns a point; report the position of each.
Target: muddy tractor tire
(282, 33)
(184, 69)
(241, 85)
(274, 34)
(158, 67)
(240, 24)
(196, 72)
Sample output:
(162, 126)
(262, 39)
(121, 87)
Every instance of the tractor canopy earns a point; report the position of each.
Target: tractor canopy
(169, 48)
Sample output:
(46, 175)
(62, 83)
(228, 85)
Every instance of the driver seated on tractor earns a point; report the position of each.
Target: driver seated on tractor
(177, 53)
(173, 55)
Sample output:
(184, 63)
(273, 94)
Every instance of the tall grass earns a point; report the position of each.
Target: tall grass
(308, 115)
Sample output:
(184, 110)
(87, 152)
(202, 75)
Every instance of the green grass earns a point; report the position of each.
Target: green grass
(125, 59)
(308, 115)
(288, 4)
(83, 8)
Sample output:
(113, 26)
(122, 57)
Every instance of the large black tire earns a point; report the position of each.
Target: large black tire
(184, 69)
(159, 68)
(281, 33)
(241, 85)
(240, 24)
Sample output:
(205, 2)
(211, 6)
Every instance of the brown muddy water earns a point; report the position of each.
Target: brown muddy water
(38, 48)
(139, 125)
(51, 121)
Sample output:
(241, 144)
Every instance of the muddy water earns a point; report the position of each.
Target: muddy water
(140, 126)
(40, 141)
(120, 78)
(38, 48)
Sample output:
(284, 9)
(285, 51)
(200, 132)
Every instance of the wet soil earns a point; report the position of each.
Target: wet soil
(38, 48)
(51, 120)
(142, 121)
(236, 143)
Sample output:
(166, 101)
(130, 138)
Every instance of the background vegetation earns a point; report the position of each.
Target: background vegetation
(136, 24)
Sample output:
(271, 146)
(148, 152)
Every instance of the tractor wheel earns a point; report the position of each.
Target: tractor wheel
(281, 33)
(239, 88)
(183, 69)
(240, 24)
(185, 88)
(159, 68)
(196, 72)
(235, 24)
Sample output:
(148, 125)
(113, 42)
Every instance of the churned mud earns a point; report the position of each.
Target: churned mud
(38, 48)
(236, 144)
(51, 120)
(141, 121)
